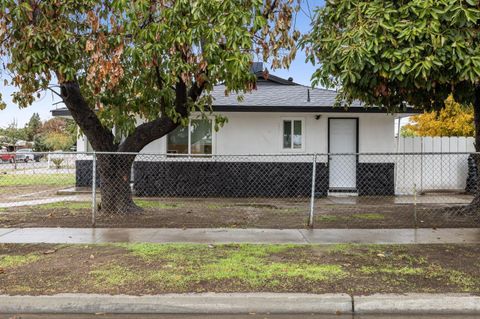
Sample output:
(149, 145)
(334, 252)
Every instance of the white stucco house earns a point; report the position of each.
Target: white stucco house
(283, 117)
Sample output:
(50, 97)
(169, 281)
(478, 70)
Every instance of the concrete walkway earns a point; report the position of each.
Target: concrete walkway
(254, 236)
(33, 202)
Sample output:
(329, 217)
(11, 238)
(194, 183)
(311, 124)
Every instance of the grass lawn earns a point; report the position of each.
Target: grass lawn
(156, 268)
(13, 180)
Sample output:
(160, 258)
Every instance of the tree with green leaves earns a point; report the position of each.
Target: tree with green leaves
(113, 62)
(398, 53)
(12, 134)
(33, 126)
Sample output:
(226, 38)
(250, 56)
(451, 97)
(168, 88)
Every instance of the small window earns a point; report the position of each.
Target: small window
(196, 138)
(293, 134)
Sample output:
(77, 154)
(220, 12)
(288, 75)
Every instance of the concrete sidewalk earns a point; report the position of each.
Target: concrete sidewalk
(227, 235)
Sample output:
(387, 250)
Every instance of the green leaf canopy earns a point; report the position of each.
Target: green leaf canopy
(393, 53)
(128, 55)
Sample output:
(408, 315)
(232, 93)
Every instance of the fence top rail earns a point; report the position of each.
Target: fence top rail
(244, 155)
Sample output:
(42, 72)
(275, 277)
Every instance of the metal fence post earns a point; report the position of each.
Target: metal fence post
(94, 188)
(312, 199)
(415, 205)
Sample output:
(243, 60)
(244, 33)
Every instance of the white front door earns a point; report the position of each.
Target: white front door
(343, 140)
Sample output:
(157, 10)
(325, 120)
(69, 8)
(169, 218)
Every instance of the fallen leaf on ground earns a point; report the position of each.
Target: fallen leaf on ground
(50, 251)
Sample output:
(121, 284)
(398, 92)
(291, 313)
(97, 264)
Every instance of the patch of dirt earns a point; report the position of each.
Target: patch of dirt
(23, 249)
(392, 268)
(281, 214)
(68, 265)
(368, 268)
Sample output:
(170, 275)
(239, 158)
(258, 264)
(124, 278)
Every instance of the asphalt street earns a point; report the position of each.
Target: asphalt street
(249, 316)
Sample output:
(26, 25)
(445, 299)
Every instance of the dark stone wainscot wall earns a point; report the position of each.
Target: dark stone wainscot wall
(376, 179)
(472, 176)
(228, 179)
(242, 179)
(83, 173)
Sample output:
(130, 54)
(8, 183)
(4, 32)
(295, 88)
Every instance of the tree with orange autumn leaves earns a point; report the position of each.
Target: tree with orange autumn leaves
(113, 62)
(452, 120)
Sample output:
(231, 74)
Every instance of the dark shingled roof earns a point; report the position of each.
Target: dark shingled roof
(271, 94)
(275, 94)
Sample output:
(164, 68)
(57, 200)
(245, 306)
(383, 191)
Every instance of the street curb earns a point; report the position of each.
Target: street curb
(243, 303)
(417, 304)
(205, 303)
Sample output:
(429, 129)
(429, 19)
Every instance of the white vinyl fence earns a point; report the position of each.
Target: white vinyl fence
(437, 168)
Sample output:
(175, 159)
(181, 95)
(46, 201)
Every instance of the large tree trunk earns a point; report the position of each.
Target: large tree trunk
(115, 171)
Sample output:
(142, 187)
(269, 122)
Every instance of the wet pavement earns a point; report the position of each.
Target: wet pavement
(227, 235)
(249, 316)
(437, 198)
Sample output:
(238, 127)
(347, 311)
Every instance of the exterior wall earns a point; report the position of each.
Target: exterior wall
(376, 179)
(81, 143)
(228, 179)
(377, 133)
(261, 133)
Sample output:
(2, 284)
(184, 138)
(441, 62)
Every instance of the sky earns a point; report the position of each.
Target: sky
(300, 71)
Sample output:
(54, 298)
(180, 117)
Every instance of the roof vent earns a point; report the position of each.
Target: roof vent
(308, 95)
(290, 79)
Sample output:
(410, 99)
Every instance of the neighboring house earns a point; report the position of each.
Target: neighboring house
(279, 117)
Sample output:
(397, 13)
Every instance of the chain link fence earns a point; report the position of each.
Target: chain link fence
(246, 191)
(35, 188)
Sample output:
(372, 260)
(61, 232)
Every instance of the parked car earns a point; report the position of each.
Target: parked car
(24, 155)
(7, 157)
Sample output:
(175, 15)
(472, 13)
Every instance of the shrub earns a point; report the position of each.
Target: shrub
(57, 162)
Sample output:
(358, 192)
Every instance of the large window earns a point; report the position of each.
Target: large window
(196, 138)
(292, 134)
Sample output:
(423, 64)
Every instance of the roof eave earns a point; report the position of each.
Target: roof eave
(63, 112)
(305, 109)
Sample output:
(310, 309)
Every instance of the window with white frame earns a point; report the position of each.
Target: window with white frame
(293, 134)
(196, 138)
